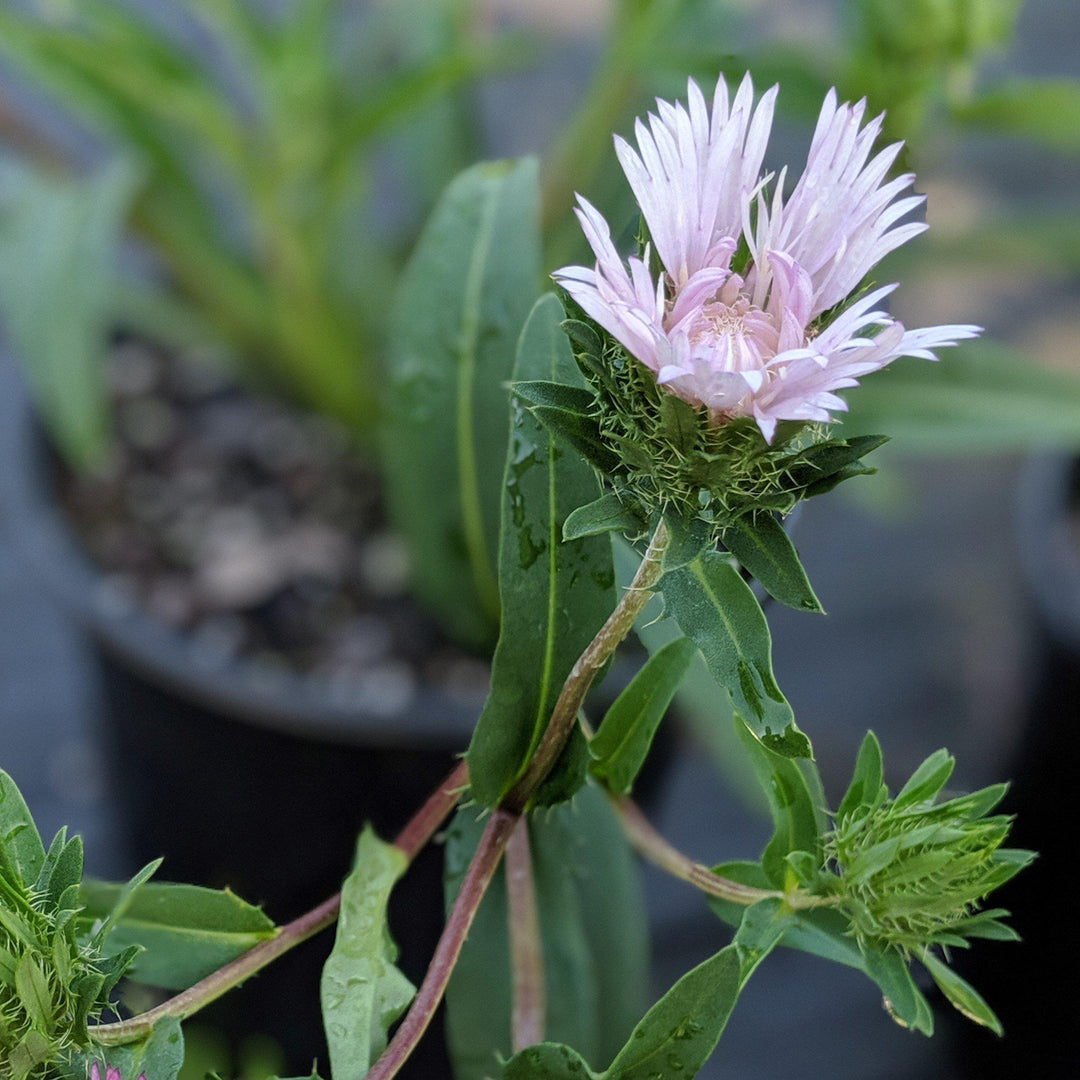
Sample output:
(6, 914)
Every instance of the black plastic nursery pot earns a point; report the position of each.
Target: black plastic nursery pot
(1033, 989)
(242, 777)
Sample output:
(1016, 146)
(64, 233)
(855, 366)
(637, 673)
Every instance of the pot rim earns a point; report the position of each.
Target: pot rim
(239, 687)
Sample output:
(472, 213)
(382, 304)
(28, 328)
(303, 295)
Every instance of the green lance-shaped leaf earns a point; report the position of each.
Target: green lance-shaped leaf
(927, 780)
(121, 901)
(763, 547)
(557, 395)
(63, 867)
(592, 923)
(606, 514)
(717, 610)
(796, 801)
(907, 1004)
(681, 1030)
(457, 316)
(962, 995)
(22, 853)
(58, 241)
(688, 539)
(363, 993)
(622, 743)
(184, 931)
(867, 782)
(555, 594)
(33, 989)
(160, 1056)
(677, 1035)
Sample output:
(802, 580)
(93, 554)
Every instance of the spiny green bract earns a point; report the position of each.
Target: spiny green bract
(51, 983)
(664, 457)
(913, 872)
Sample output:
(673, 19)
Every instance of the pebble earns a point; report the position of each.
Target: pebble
(134, 370)
(359, 643)
(234, 572)
(171, 598)
(385, 690)
(384, 565)
(148, 423)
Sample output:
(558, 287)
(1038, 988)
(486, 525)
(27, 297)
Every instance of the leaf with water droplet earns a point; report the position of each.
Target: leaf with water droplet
(673, 1040)
(362, 991)
(183, 932)
(555, 594)
(717, 610)
(548, 1061)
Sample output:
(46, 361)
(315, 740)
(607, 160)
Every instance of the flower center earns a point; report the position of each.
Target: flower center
(734, 337)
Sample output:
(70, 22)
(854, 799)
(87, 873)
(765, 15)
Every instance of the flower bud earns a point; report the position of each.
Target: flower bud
(52, 980)
(913, 872)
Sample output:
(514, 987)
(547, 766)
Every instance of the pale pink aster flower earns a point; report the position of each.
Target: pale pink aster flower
(753, 343)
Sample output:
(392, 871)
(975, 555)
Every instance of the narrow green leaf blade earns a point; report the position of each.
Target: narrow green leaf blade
(593, 922)
(927, 780)
(185, 931)
(867, 778)
(575, 399)
(606, 514)
(459, 309)
(21, 850)
(763, 547)
(717, 610)
(362, 991)
(477, 1004)
(677, 1035)
(33, 990)
(549, 1061)
(58, 242)
(580, 433)
(904, 1000)
(622, 743)
(555, 594)
(961, 994)
(791, 788)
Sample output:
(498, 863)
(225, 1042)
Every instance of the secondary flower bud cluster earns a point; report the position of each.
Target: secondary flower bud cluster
(913, 872)
(53, 980)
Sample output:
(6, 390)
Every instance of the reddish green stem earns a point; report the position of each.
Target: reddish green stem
(477, 878)
(410, 840)
(526, 946)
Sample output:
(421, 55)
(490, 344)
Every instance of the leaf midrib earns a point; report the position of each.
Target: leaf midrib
(471, 511)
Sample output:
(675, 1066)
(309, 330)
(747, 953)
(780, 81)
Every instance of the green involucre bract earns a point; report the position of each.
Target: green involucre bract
(664, 457)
